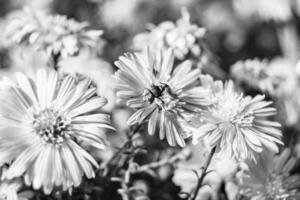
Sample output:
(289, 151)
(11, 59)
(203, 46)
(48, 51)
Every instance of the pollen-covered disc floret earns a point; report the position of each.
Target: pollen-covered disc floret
(237, 123)
(51, 126)
(270, 178)
(46, 123)
(160, 93)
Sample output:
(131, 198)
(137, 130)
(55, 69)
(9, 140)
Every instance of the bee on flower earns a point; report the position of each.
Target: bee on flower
(159, 93)
(46, 123)
(56, 35)
(237, 124)
(270, 178)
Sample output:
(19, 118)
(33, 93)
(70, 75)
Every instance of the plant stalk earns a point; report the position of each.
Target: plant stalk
(203, 174)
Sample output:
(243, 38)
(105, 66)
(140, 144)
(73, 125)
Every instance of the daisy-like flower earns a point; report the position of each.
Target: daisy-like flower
(45, 124)
(183, 37)
(56, 34)
(10, 189)
(236, 123)
(278, 77)
(270, 178)
(148, 83)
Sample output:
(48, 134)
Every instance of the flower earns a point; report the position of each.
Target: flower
(267, 76)
(183, 37)
(236, 123)
(270, 178)
(56, 35)
(278, 77)
(46, 122)
(166, 97)
(254, 73)
(10, 189)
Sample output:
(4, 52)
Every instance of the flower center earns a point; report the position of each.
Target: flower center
(155, 91)
(275, 188)
(228, 110)
(160, 94)
(51, 126)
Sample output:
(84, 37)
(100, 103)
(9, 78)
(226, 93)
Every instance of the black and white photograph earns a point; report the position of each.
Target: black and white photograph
(149, 100)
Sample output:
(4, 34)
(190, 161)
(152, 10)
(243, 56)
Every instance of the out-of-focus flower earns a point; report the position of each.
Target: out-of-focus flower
(56, 35)
(278, 77)
(183, 37)
(276, 10)
(286, 91)
(148, 83)
(46, 122)
(10, 189)
(237, 124)
(270, 178)
(254, 73)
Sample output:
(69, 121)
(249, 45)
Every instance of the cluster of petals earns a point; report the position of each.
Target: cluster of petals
(46, 123)
(235, 123)
(57, 35)
(160, 93)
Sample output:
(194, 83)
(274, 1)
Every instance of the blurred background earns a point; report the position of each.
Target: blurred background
(236, 29)
(264, 31)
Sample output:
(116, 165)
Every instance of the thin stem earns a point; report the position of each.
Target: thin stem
(179, 156)
(203, 174)
(125, 145)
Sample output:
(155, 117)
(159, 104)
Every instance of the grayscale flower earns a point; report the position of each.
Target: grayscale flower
(270, 178)
(183, 37)
(235, 123)
(56, 34)
(160, 93)
(254, 73)
(278, 77)
(45, 124)
(9, 188)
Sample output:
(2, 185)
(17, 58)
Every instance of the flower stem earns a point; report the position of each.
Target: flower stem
(204, 171)
(125, 145)
(183, 155)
